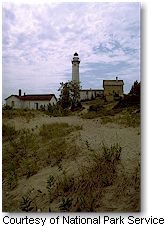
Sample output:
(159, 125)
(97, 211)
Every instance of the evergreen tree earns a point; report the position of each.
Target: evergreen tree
(135, 89)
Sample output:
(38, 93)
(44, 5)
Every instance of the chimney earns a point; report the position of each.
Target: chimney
(24, 94)
(19, 92)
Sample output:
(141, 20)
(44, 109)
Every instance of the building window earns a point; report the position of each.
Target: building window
(36, 106)
(12, 104)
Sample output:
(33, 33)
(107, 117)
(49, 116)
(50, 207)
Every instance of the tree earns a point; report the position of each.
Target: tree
(64, 99)
(135, 90)
(69, 95)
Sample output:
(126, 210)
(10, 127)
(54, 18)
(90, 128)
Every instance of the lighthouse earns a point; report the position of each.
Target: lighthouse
(75, 68)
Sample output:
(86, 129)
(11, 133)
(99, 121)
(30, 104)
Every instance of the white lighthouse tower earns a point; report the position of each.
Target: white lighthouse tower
(75, 68)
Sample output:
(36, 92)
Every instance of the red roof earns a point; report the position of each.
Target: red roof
(34, 97)
(37, 97)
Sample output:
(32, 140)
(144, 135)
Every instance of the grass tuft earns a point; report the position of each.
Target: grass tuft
(50, 184)
(86, 189)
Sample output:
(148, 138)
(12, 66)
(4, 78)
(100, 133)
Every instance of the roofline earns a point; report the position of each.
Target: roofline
(29, 95)
(117, 82)
(41, 94)
(11, 96)
(112, 80)
(91, 90)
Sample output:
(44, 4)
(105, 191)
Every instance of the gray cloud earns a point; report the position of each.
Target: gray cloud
(39, 41)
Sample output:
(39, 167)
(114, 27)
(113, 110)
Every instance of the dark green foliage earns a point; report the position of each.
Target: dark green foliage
(95, 112)
(112, 154)
(57, 110)
(42, 108)
(55, 151)
(6, 107)
(26, 204)
(117, 97)
(51, 108)
(29, 167)
(128, 101)
(12, 113)
(135, 90)
(70, 95)
(83, 193)
(106, 164)
(20, 157)
(65, 99)
(24, 156)
(132, 99)
(65, 204)
(65, 182)
(96, 107)
(50, 184)
(8, 132)
(12, 179)
(85, 203)
(50, 131)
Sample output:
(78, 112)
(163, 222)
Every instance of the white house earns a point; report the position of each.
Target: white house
(89, 94)
(32, 101)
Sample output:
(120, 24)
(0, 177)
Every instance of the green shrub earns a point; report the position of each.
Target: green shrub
(50, 131)
(20, 155)
(64, 183)
(86, 203)
(50, 184)
(129, 117)
(8, 132)
(6, 107)
(100, 111)
(85, 190)
(12, 113)
(28, 167)
(56, 111)
(12, 180)
(95, 107)
(112, 154)
(128, 101)
(65, 204)
(57, 130)
(26, 204)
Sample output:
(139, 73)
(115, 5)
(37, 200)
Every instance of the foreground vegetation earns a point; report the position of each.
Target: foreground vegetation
(25, 152)
(79, 179)
(81, 190)
(114, 112)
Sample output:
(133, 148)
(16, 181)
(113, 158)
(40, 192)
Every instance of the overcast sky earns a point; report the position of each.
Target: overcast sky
(39, 41)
